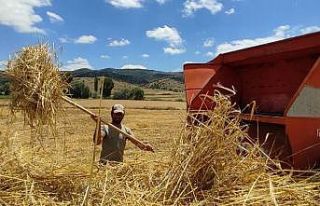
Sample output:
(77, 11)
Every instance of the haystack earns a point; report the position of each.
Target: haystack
(36, 84)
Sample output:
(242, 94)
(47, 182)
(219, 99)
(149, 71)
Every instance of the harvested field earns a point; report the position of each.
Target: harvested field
(60, 166)
(155, 105)
(129, 104)
(198, 166)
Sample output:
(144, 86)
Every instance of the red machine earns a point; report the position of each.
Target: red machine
(283, 78)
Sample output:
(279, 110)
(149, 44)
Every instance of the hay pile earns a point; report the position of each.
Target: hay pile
(205, 168)
(211, 166)
(36, 84)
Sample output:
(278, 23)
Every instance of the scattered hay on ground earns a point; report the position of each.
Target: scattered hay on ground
(208, 166)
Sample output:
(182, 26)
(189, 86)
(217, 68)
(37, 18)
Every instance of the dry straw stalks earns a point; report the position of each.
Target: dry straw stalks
(206, 168)
(36, 84)
(211, 166)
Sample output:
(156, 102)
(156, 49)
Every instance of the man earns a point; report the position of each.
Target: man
(113, 142)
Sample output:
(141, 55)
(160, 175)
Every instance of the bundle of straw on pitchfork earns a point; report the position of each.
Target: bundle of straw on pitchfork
(36, 84)
(37, 88)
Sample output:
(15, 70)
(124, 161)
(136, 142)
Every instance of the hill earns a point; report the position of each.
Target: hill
(156, 84)
(155, 94)
(133, 76)
(166, 84)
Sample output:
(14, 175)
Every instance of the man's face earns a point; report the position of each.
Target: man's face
(117, 117)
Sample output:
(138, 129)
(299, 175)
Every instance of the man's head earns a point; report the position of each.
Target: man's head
(117, 113)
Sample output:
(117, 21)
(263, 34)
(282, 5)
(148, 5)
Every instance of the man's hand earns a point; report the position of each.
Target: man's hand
(146, 147)
(94, 117)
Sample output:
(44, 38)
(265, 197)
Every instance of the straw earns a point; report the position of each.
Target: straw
(36, 84)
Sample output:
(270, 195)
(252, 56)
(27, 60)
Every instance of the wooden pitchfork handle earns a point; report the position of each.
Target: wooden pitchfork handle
(134, 140)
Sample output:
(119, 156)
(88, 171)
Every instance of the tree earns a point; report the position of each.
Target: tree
(80, 90)
(5, 88)
(107, 87)
(122, 94)
(96, 84)
(137, 93)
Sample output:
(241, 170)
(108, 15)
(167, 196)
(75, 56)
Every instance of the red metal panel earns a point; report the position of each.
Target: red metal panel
(314, 76)
(196, 77)
(225, 76)
(272, 84)
(304, 137)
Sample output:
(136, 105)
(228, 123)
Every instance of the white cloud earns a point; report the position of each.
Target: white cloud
(173, 50)
(20, 14)
(166, 33)
(209, 54)
(133, 66)
(53, 17)
(230, 11)
(85, 39)
(197, 52)
(125, 57)
(126, 4)
(310, 29)
(145, 55)
(161, 1)
(104, 56)
(119, 43)
(279, 33)
(208, 43)
(77, 63)
(282, 31)
(131, 4)
(169, 35)
(191, 6)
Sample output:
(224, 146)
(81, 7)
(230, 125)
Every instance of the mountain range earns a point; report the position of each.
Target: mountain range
(133, 76)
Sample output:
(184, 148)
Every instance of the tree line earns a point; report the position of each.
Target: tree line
(78, 89)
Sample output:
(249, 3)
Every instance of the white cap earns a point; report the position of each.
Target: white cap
(118, 108)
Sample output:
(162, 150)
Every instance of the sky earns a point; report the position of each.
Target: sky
(149, 34)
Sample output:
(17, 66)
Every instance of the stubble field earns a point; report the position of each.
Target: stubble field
(200, 165)
(69, 153)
